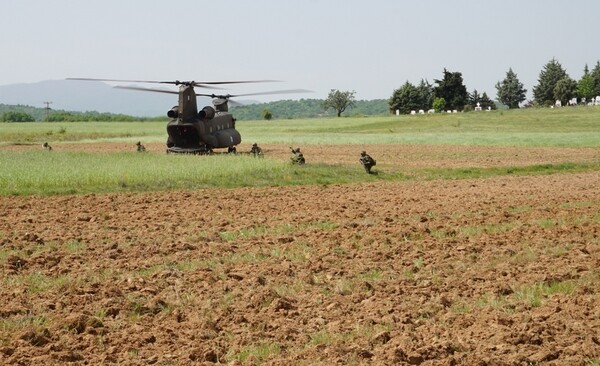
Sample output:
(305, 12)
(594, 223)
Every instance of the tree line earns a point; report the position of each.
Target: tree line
(22, 113)
(554, 84)
(306, 108)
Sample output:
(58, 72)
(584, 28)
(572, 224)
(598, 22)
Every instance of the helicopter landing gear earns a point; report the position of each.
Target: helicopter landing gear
(196, 150)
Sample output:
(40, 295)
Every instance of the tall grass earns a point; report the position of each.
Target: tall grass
(44, 173)
(78, 172)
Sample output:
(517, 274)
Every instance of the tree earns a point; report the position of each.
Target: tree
(474, 98)
(586, 87)
(511, 91)
(596, 76)
(411, 98)
(17, 117)
(339, 101)
(425, 95)
(452, 89)
(486, 102)
(565, 90)
(405, 99)
(543, 93)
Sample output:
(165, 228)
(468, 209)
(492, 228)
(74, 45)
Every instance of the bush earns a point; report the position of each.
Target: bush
(439, 104)
(267, 114)
(17, 117)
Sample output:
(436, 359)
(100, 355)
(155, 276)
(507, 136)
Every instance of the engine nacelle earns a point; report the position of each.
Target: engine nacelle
(207, 112)
(173, 112)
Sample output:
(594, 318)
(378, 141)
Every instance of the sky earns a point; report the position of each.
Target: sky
(371, 47)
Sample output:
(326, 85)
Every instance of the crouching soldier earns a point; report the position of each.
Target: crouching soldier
(367, 161)
(298, 157)
(256, 151)
(140, 147)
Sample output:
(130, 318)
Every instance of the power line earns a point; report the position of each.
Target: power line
(47, 108)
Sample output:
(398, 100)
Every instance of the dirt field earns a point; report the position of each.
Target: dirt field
(502, 271)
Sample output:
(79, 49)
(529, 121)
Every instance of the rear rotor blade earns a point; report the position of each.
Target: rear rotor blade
(201, 84)
(233, 103)
(288, 91)
(227, 96)
(234, 82)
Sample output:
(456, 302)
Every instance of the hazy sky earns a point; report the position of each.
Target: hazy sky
(371, 47)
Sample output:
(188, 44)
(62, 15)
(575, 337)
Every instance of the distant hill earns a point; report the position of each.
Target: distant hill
(84, 96)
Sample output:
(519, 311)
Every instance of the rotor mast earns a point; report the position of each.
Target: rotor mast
(188, 107)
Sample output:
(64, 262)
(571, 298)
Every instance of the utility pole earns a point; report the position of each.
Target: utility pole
(47, 110)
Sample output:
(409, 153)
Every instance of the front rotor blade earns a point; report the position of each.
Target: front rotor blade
(147, 89)
(126, 81)
(176, 82)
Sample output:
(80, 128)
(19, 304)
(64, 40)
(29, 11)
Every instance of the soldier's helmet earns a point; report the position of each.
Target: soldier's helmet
(138, 143)
(254, 145)
(297, 149)
(363, 153)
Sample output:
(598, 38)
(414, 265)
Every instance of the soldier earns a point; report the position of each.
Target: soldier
(140, 147)
(256, 151)
(47, 146)
(298, 158)
(367, 161)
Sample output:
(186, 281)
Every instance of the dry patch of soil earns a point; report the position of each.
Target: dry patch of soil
(501, 271)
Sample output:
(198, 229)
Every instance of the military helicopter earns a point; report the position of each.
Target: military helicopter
(199, 132)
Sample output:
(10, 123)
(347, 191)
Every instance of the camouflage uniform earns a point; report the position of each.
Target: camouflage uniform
(140, 147)
(256, 151)
(298, 158)
(367, 161)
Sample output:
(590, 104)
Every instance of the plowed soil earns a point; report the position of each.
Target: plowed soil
(502, 271)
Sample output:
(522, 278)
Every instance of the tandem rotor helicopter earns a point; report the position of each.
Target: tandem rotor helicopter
(199, 132)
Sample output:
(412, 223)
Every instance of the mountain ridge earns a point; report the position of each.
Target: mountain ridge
(84, 96)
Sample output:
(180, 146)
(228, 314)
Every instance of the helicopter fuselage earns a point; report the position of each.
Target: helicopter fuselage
(197, 132)
(201, 135)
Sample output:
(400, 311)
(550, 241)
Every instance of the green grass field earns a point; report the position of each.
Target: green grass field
(37, 172)
(568, 127)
